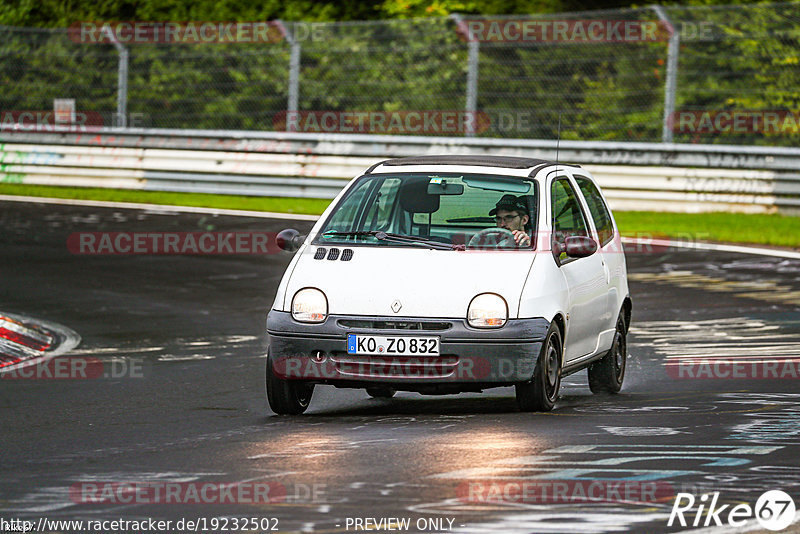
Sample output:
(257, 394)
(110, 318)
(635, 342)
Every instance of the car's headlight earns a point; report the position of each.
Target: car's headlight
(487, 310)
(309, 305)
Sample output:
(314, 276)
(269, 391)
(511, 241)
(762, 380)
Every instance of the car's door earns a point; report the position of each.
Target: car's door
(610, 249)
(585, 277)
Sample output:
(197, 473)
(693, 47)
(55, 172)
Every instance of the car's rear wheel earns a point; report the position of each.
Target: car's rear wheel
(381, 392)
(606, 375)
(286, 397)
(541, 392)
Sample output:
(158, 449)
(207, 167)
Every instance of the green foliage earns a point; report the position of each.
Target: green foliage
(740, 59)
(743, 58)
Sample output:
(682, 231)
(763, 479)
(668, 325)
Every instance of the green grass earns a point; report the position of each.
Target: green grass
(773, 230)
(310, 206)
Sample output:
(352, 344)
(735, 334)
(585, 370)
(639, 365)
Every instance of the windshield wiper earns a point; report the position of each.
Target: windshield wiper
(397, 238)
(347, 234)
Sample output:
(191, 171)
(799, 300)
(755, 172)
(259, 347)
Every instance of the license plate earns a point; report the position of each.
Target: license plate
(392, 345)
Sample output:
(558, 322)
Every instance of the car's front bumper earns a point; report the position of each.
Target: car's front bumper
(480, 357)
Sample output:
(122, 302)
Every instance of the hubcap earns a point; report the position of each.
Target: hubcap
(551, 372)
(619, 354)
(552, 365)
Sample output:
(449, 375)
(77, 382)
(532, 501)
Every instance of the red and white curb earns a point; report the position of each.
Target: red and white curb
(27, 341)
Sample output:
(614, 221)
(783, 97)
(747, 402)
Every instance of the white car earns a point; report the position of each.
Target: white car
(446, 274)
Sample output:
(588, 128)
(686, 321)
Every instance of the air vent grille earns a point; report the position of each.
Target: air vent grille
(320, 253)
(347, 254)
(333, 254)
(395, 325)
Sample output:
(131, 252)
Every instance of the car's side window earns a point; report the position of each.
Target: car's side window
(598, 209)
(568, 219)
(343, 220)
(379, 214)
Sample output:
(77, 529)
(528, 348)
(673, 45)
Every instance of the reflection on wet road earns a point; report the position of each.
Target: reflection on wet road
(195, 417)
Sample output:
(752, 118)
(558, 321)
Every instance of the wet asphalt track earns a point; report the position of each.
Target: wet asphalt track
(195, 409)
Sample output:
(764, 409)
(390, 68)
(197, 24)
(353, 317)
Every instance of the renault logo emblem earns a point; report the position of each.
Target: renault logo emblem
(396, 306)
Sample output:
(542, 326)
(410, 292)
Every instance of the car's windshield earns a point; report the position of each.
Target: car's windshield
(472, 210)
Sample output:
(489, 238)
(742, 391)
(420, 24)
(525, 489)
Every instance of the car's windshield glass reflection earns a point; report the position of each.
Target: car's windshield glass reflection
(454, 210)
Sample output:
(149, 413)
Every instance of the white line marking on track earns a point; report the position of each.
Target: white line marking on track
(718, 247)
(163, 208)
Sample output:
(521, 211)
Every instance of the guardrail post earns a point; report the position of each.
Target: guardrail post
(671, 81)
(472, 74)
(121, 120)
(294, 67)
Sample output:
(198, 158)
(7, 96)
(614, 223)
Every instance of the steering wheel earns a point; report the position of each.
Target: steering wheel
(492, 238)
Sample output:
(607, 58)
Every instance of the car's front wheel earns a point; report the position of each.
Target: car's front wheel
(541, 392)
(606, 375)
(286, 397)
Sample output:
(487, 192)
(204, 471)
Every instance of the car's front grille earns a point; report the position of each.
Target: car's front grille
(420, 367)
(394, 325)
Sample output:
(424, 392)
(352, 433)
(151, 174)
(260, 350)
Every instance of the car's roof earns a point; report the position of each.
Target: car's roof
(497, 162)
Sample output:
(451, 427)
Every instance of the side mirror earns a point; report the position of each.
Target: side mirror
(579, 246)
(289, 240)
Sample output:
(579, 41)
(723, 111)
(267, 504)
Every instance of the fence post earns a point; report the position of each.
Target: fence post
(472, 74)
(122, 80)
(671, 81)
(294, 67)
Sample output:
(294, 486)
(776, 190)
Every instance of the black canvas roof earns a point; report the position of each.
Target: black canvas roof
(505, 162)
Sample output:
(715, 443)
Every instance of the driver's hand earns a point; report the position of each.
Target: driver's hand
(521, 238)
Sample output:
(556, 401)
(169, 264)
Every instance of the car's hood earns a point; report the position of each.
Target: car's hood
(427, 283)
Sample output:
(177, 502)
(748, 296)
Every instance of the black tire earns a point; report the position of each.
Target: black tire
(287, 397)
(381, 392)
(606, 375)
(541, 392)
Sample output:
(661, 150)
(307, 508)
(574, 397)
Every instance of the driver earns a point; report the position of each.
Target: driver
(511, 213)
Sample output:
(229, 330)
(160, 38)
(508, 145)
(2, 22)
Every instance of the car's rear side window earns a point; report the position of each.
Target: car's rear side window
(598, 209)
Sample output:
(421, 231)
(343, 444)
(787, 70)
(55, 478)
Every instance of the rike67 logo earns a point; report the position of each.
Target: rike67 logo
(774, 510)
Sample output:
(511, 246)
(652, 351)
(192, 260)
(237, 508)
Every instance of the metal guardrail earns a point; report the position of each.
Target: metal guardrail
(657, 176)
(632, 85)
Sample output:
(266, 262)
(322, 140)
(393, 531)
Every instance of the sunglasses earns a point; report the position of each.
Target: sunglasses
(506, 218)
